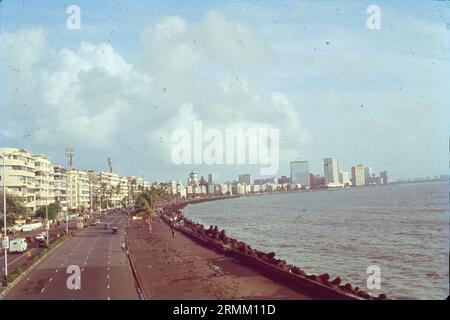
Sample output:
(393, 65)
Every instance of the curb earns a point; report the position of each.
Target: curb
(139, 286)
(31, 268)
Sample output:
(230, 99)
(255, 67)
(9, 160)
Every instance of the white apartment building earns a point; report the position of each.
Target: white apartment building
(331, 172)
(43, 181)
(112, 188)
(344, 177)
(135, 186)
(78, 189)
(19, 176)
(60, 186)
(358, 175)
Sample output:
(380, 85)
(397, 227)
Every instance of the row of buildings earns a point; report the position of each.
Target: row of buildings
(300, 178)
(37, 182)
(361, 175)
(34, 180)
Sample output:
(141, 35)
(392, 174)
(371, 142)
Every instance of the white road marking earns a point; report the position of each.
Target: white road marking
(50, 280)
(42, 290)
(107, 286)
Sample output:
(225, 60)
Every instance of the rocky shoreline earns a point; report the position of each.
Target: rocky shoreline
(275, 268)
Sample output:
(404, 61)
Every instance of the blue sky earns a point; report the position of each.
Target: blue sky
(378, 97)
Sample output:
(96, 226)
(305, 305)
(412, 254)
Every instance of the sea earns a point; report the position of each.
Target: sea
(401, 229)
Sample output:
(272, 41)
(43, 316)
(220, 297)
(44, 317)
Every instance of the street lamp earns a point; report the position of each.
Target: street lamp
(5, 237)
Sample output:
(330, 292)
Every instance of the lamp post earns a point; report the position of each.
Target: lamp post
(5, 237)
(47, 223)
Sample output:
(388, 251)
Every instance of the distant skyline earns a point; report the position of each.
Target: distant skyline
(135, 72)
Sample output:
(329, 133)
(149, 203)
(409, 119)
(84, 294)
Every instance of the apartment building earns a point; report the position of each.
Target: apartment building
(19, 176)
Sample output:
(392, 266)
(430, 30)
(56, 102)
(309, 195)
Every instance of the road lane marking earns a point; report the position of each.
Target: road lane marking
(50, 280)
(107, 286)
(42, 290)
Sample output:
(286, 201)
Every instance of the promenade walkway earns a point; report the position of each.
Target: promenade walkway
(179, 268)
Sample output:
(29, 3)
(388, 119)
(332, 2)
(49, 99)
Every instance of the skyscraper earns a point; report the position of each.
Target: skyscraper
(331, 171)
(367, 175)
(246, 178)
(213, 178)
(300, 173)
(384, 177)
(358, 175)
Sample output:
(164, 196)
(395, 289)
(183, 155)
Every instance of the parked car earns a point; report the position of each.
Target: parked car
(114, 230)
(97, 221)
(18, 245)
(41, 236)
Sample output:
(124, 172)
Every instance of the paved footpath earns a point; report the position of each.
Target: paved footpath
(179, 268)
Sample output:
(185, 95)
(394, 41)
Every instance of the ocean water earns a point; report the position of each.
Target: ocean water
(402, 229)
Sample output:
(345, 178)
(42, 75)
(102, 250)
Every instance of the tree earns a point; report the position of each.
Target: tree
(54, 209)
(148, 199)
(14, 209)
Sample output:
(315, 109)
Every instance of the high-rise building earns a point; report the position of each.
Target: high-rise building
(384, 177)
(367, 176)
(331, 171)
(245, 179)
(300, 173)
(213, 178)
(344, 178)
(358, 175)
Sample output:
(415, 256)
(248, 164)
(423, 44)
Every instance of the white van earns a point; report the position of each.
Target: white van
(18, 245)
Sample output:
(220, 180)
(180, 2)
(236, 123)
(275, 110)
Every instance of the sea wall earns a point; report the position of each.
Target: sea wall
(319, 285)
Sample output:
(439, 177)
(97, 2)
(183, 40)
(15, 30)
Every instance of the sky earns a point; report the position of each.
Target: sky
(134, 72)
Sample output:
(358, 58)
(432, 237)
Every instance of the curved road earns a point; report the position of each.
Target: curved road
(105, 270)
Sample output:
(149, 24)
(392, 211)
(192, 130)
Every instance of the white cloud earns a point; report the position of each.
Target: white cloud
(92, 98)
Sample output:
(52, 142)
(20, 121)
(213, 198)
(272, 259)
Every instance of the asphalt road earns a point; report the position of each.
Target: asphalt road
(105, 270)
(16, 260)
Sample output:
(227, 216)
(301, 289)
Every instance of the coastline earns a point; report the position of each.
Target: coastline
(317, 286)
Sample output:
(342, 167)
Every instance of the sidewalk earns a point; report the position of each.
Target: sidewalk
(179, 268)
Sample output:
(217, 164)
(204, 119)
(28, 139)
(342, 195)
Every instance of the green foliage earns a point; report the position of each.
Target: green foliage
(54, 209)
(14, 209)
(148, 199)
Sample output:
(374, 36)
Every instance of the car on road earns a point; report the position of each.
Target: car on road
(18, 245)
(97, 221)
(41, 236)
(115, 230)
